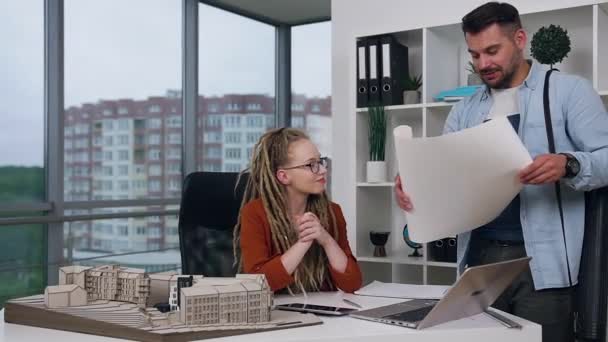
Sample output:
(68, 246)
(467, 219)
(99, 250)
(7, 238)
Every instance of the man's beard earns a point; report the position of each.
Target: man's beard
(504, 83)
(508, 73)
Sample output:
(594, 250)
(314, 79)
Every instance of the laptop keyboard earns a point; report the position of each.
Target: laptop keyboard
(411, 316)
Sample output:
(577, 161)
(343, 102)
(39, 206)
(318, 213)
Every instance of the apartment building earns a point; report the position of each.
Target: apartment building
(247, 298)
(118, 283)
(131, 149)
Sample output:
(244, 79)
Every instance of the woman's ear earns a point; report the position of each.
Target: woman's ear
(282, 177)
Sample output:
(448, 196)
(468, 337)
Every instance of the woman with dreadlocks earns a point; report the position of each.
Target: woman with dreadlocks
(288, 229)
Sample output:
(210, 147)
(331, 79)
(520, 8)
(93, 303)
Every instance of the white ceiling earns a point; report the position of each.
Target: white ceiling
(289, 12)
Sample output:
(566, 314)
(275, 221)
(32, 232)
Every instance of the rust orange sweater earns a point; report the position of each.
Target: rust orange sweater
(259, 256)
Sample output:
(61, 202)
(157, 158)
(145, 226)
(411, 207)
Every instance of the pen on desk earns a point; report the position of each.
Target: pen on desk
(350, 302)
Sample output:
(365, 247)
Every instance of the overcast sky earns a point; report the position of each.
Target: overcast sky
(132, 49)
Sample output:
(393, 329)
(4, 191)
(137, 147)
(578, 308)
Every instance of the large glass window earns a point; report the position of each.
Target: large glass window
(311, 82)
(122, 126)
(123, 99)
(21, 144)
(21, 101)
(150, 243)
(236, 87)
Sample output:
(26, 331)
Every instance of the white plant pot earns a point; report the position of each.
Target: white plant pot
(411, 97)
(376, 171)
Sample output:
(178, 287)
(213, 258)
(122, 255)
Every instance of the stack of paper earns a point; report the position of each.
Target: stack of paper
(392, 290)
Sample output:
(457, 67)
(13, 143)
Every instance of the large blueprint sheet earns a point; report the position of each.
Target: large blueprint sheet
(459, 181)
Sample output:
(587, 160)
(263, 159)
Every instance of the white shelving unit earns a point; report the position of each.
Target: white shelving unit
(439, 54)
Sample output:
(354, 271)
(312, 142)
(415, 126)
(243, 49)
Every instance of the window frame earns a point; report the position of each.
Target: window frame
(55, 205)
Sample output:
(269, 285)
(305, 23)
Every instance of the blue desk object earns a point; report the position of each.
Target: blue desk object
(457, 94)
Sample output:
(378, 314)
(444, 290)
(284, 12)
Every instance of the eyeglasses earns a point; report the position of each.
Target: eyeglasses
(314, 166)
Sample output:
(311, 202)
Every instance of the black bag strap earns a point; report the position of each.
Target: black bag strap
(551, 140)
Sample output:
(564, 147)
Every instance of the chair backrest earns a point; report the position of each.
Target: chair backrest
(209, 210)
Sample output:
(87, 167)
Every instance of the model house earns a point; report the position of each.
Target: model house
(73, 275)
(109, 283)
(65, 295)
(118, 283)
(159, 288)
(240, 300)
(177, 282)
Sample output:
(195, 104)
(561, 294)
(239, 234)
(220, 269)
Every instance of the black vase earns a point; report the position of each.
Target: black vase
(379, 239)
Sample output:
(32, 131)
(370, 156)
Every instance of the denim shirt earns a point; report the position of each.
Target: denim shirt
(580, 126)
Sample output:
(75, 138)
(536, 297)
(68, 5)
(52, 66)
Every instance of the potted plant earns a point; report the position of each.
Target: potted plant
(550, 45)
(473, 77)
(376, 166)
(410, 93)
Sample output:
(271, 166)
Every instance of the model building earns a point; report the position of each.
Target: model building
(109, 282)
(176, 283)
(64, 295)
(159, 287)
(244, 300)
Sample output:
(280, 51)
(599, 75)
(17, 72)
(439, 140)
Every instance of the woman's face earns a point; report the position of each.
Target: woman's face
(303, 159)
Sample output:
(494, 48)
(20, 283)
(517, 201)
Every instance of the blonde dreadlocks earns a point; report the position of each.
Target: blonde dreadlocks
(269, 154)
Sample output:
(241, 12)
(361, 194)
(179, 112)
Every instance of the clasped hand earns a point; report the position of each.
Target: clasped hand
(309, 229)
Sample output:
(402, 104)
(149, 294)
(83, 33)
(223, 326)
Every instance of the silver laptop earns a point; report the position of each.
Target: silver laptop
(473, 293)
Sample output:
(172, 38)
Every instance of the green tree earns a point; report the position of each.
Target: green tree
(22, 248)
(18, 184)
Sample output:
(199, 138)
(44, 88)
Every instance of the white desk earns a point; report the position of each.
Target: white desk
(476, 328)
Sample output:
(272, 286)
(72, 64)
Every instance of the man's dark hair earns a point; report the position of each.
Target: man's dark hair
(490, 13)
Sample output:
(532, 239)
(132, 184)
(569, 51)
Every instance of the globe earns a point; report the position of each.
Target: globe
(415, 245)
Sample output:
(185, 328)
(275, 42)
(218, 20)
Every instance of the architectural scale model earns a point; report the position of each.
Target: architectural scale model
(131, 304)
(193, 300)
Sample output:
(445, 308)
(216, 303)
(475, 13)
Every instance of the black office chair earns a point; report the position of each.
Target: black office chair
(209, 210)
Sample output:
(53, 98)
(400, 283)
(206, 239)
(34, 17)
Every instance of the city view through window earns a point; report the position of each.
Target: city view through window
(123, 123)
(22, 247)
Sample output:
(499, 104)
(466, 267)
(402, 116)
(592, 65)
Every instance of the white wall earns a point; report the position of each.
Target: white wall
(353, 18)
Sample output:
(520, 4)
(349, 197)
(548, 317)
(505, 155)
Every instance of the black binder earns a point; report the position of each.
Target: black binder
(451, 249)
(374, 72)
(443, 250)
(394, 68)
(362, 73)
(437, 250)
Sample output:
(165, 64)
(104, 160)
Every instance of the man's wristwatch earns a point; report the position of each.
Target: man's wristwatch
(573, 167)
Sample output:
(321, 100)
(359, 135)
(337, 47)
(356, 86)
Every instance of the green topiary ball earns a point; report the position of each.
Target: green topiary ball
(550, 45)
